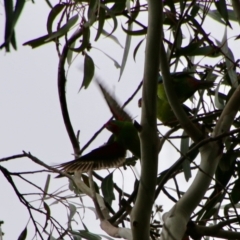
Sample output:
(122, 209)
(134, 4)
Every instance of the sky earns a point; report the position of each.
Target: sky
(31, 116)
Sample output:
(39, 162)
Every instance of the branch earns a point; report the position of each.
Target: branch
(141, 213)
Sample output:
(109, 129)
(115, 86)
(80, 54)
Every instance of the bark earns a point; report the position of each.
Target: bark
(141, 213)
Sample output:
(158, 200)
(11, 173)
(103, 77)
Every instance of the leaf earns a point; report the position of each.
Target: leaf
(126, 51)
(64, 29)
(219, 102)
(85, 40)
(89, 236)
(222, 9)
(37, 41)
(23, 234)
(101, 21)
(118, 6)
(52, 15)
(107, 189)
(88, 71)
(112, 15)
(235, 194)
(92, 7)
(112, 37)
(48, 215)
(136, 49)
(186, 164)
(116, 64)
(72, 211)
(136, 32)
(229, 58)
(46, 186)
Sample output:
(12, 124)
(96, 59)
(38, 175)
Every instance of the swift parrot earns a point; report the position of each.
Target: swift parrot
(125, 137)
(185, 86)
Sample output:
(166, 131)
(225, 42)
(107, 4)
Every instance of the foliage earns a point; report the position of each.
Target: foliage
(73, 26)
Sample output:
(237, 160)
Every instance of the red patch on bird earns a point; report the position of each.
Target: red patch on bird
(112, 127)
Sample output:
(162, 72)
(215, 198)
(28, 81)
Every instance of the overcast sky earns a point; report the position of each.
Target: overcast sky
(31, 118)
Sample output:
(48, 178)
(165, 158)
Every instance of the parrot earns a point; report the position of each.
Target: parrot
(185, 86)
(123, 128)
(112, 154)
(165, 113)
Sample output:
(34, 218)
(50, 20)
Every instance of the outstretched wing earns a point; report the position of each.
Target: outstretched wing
(113, 105)
(111, 155)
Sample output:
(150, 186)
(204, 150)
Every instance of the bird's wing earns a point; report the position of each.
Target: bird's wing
(107, 156)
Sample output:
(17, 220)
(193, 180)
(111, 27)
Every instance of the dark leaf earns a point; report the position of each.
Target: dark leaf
(107, 189)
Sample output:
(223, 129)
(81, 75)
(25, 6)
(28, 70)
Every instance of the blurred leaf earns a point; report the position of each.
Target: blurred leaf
(235, 194)
(46, 186)
(72, 211)
(126, 51)
(101, 21)
(48, 215)
(219, 103)
(52, 15)
(184, 148)
(136, 49)
(88, 235)
(112, 15)
(107, 189)
(70, 53)
(211, 13)
(222, 9)
(194, 50)
(118, 6)
(112, 37)
(92, 8)
(116, 64)
(23, 234)
(64, 29)
(88, 71)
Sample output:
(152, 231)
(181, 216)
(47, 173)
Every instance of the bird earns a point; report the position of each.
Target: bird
(106, 156)
(113, 153)
(184, 84)
(165, 113)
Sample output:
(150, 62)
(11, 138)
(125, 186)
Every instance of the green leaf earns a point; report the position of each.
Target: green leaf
(88, 71)
(52, 15)
(107, 189)
(184, 148)
(37, 41)
(118, 6)
(23, 234)
(126, 51)
(89, 236)
(235, 194)
(222, 9)
(64, 29)
(101, 21)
